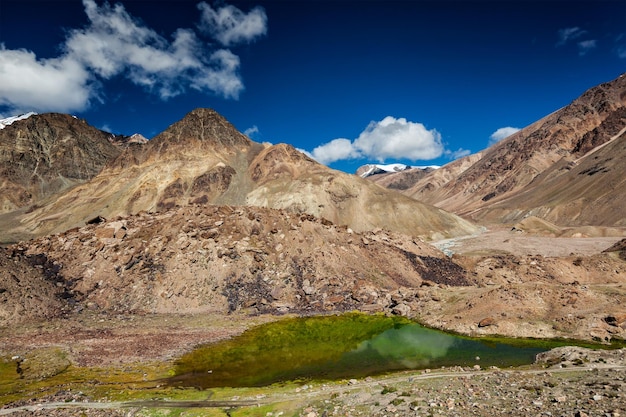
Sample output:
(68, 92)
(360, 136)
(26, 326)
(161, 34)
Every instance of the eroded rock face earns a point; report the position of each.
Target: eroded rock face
(575, 356)
(223, 259)
(535, 296)
(48, 153)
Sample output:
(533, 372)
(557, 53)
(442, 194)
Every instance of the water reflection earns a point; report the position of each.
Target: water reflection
(412, 346)
(338, 347)
(416, 347)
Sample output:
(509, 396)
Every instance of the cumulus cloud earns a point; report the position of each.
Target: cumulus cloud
(336, 150)
(567, 34)
(26, 83)
(586, 46)
(399, 138)
(503, 132)
(388, 138)
(114, 43)
(231, 26)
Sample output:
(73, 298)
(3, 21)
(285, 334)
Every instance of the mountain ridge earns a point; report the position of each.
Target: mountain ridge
(48, 153)
(523, 175)
(202, 159)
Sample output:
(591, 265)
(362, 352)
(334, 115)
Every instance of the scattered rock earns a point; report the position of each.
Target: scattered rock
(401, 310)
(488, 321)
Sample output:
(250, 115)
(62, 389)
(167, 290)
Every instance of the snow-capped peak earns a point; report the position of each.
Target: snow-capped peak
(378, 169)
(137, 138)
(372, 169)
(9, 120)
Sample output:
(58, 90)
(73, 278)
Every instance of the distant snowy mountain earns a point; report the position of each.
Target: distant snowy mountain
(137, 138)
(373, 169)
(10, 120)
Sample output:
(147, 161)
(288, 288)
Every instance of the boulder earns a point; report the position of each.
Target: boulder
(401, 310)
(487, 321)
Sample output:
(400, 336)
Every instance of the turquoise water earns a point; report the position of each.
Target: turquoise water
(347, 346)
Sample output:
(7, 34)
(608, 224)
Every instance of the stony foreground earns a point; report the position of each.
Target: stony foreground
(589, 391)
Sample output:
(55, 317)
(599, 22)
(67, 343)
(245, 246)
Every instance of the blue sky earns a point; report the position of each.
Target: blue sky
(417, 82)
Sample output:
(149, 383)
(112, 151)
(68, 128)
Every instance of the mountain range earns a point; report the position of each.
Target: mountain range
(202, 219)
(567, 168)
(59, 173)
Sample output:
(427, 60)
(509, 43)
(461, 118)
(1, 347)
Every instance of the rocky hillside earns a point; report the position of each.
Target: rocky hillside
(251, 260)
(566, 168)
(45, 154)
(26, 288)
(203, 159)
(220, 259)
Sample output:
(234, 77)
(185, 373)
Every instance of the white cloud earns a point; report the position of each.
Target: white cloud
(567, 34)
(231, 26)
(251, 131)
(335, 150)
(399, 138)
(459, 153)
(503, 132)
(388, 138)
(114, 43)
(222, 76)
(586, 46)
(26, 83)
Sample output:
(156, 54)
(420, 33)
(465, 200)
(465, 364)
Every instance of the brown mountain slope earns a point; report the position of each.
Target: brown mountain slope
(48, 153)
(585, 191)
(220, 259)
(287, 179)
(518, 176)
(203, 159)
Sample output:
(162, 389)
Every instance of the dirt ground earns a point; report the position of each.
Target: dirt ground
(92, 339)
(508, 240)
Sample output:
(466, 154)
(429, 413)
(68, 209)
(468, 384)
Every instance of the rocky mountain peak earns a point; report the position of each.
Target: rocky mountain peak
(204, 129)
(46, 153)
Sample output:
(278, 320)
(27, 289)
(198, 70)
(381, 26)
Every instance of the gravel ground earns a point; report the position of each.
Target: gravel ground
(598, 392)
(567, 382)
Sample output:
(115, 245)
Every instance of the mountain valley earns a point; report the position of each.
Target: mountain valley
(117, 250)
